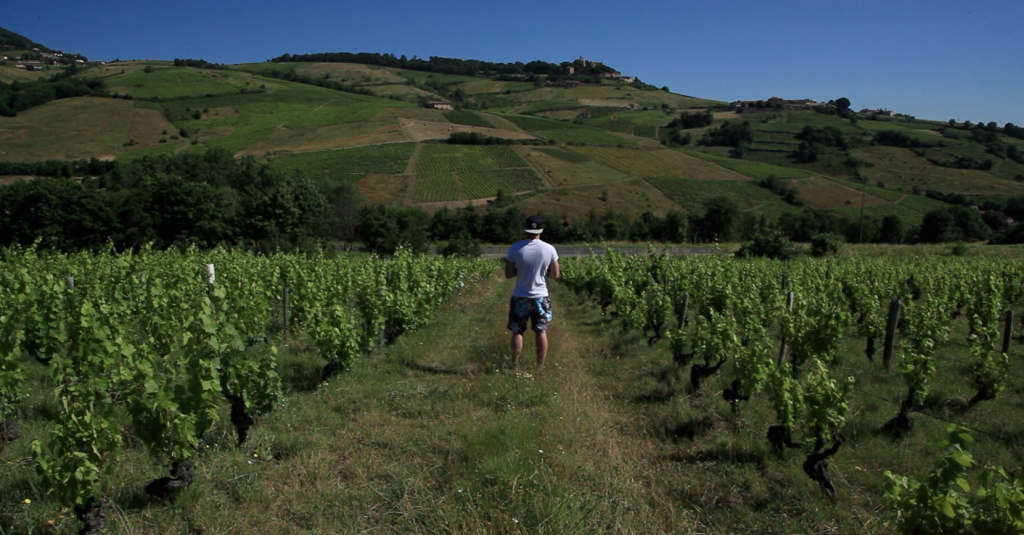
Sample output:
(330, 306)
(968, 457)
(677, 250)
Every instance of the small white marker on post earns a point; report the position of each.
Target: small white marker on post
(210, 274)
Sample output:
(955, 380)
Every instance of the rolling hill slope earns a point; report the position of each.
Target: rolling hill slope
(604, 145)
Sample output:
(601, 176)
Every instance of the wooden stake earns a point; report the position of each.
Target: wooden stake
(287, 333)
(789, 306)
(890, 332)
(1008, 331)
(686, 305)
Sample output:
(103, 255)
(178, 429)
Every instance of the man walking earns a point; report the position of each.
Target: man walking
(531, 262)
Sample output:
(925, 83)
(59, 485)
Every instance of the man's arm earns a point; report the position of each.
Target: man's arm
(510, 269)
(553, 270)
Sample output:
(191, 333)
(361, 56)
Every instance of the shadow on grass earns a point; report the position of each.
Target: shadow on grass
(667, 386)
(433, 370)
(300, 376)
(688, 430)
(720, 455)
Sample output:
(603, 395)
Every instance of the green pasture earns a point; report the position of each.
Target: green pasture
(176, 82)
(297, 106)
(691, 194)
(752, 169)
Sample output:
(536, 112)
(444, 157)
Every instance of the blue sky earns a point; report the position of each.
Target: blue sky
(933, 59)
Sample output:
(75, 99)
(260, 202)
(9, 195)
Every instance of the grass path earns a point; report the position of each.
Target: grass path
(432, 436)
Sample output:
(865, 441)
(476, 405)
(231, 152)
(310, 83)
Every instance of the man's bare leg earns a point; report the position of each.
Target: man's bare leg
(517, 347)
(542, 349)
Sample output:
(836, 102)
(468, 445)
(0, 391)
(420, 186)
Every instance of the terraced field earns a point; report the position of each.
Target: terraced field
(561, 132)
(480, 172)
(436, 187)
(634, 162)
(349, 165)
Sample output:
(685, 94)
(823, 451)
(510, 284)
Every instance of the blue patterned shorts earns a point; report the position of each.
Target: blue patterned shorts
(523, 309)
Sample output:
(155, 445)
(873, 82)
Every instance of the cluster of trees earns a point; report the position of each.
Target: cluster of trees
(729, 134)
(687, 120)
(20, 96)
(963, 162)
(814, 140)
(448, 65)
(291, 76)
(198, 63)
(476, 138)
(839, 107)
(57, 168)
(1013, 130)
(213, 199)
(895, 138)
(788, 192)
(206, 199)
(9, 39)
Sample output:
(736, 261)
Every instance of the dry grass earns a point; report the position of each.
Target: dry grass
(824, 193)
(897, 167)
(335, 136)
(696, 168)
(384, 189)
(68, 129)
(630, 161)
(423, 130)
(560, 172)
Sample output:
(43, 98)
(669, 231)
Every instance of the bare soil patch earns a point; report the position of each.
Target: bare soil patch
(424, 130)
(11, 179)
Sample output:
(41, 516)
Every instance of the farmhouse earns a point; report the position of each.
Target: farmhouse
(569, 84)
(627, 79)
(439, 105)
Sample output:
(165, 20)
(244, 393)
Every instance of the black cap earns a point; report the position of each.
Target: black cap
(534, 224)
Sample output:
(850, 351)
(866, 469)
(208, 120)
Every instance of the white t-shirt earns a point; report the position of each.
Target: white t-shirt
(532, 258)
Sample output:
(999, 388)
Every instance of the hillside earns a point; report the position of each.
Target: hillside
(581, 143)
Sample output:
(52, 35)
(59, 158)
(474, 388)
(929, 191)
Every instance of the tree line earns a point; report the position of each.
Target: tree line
(20, 96)
(444, 65)
(211, 199)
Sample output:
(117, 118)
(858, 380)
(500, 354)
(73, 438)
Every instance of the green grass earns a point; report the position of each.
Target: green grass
(175, 82)
(468, 117)
(646, 118)
(349, 165)
(752, 169)
(691, 194)
(550, 105)
(293, 106)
